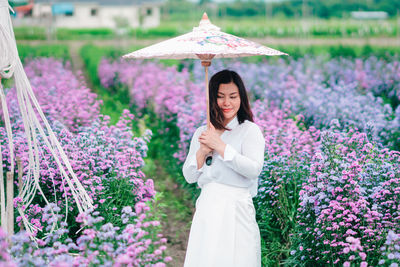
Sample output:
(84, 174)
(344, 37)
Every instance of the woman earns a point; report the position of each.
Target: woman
(224, 231)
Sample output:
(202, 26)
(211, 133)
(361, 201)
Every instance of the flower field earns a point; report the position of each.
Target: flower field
(108, 161)
(328, 192)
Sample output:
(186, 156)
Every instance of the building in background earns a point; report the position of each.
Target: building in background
(369, 15)
(96, 13)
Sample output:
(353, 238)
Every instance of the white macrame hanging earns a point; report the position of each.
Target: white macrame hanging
(11, 66)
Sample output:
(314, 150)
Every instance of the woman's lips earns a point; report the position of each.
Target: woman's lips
(226, 109)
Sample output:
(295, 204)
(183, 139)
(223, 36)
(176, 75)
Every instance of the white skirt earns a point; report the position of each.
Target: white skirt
(224, 230)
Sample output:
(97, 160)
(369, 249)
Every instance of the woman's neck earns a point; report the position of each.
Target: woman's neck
(226, 122)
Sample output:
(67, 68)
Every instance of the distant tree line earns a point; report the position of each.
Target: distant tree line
(332, 8)
(285, 8)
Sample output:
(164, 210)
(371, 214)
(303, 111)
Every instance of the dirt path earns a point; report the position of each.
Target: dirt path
(178, 209)
(77, 62)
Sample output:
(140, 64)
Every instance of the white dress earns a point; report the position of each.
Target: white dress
(224, 230)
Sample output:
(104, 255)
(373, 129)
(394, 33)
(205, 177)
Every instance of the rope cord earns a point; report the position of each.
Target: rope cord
(11, 66)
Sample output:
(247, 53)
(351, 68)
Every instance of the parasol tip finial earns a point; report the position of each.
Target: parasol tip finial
(206, 25)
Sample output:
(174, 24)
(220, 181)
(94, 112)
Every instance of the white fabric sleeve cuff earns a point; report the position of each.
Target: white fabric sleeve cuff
(193, 164)
(229, 153)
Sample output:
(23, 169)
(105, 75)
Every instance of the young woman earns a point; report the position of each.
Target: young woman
(224, 230)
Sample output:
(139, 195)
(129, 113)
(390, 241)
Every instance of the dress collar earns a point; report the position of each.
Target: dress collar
(233, 123)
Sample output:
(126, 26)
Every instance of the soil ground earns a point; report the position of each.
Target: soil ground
(178, 209)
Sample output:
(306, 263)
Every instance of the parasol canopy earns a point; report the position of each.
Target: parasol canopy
(204, 42)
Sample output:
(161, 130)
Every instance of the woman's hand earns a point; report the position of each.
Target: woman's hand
(201, 154)
(211, 138)
(204, 149)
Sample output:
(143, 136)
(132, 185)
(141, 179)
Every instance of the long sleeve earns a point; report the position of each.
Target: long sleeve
(249, 163)
(190, 171)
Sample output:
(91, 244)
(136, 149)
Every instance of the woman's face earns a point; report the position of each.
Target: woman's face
(228, 100)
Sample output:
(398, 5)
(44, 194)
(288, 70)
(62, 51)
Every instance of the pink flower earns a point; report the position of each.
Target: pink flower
(122, 260)
(362, 255)
(90, 233)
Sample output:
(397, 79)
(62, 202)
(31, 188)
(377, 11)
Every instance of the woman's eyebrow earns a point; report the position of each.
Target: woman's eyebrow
(229, 94)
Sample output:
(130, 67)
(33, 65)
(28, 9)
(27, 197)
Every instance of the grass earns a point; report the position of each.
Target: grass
(84, 34)
(30, 33)
(46, 50)
(27, 52)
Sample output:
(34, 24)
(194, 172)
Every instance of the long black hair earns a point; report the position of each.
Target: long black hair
(216, 114)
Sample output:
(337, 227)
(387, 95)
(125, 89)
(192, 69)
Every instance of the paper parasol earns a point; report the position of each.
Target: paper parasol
(205, 43)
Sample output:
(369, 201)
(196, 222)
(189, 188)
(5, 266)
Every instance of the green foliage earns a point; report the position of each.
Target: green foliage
(157, 32)
(39, 33)
(242, 9)
(113, 102)
(276, 207)
(163, 145)
(178, 201)
(118, 193)
(331, 8)
(288, 9)
(56, 51)
(91, 56)
(79, 34)
(30, 33)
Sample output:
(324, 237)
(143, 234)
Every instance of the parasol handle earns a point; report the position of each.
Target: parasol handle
(206, 64)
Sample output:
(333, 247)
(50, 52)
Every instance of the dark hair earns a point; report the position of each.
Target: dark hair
(216, 115)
